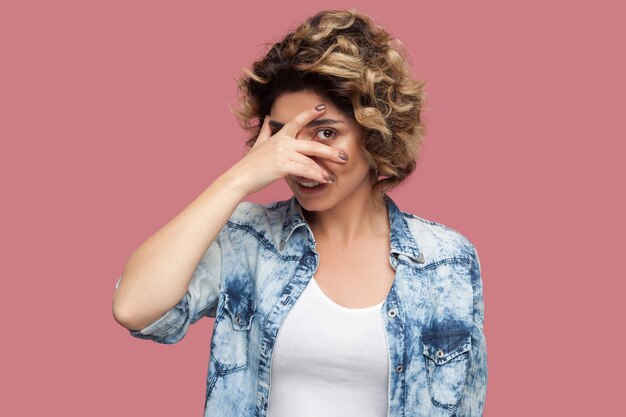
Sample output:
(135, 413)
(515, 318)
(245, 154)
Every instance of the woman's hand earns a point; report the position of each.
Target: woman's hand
(275, 156)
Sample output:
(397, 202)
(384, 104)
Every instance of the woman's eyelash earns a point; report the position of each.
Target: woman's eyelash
(334, 133)
(326, 130)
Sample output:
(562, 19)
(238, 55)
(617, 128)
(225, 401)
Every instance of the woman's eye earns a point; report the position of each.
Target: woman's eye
(325, 134)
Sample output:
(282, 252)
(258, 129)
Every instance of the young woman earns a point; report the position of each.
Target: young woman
(333, 302)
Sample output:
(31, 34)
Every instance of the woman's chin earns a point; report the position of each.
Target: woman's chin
(309, 203)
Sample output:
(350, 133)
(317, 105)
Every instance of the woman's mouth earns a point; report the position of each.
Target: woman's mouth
(309, 187)
(308, 184)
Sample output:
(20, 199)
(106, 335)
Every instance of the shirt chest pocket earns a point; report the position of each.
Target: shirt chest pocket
(231, 332)
(446, 355)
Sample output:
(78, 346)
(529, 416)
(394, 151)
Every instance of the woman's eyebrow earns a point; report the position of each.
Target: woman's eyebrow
(317, 122)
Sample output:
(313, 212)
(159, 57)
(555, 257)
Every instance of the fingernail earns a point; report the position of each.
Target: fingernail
(343, 155)
(320, 107)
(329, 178)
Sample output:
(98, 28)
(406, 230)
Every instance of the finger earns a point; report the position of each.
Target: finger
(301, 170)
(265, 131)
(305, 160)
(295, 125)
(313, 148)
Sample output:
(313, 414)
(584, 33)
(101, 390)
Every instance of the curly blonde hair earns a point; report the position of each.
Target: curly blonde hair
(343, 56)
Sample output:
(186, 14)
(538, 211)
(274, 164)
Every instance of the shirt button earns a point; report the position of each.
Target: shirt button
(238, 319)
(392, 313)
(399, 368)
(440, 353)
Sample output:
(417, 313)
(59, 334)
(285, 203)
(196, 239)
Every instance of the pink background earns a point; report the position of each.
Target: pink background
(114, 116)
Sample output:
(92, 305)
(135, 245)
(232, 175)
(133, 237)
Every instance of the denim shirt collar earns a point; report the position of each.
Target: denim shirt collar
(401, 240)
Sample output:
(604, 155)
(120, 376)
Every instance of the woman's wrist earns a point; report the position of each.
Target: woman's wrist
(235, 182)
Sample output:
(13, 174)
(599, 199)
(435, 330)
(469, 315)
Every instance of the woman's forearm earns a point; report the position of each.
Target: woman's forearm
(158, 273)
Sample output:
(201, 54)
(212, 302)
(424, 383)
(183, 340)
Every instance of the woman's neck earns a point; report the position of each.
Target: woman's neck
(358, 216)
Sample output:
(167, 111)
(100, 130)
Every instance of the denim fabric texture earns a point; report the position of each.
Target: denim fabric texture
(259, 264)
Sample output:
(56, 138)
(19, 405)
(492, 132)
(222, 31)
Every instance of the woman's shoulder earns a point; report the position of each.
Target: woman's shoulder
(438, 238)
(261, 222)
(260, 216)
(249, 210)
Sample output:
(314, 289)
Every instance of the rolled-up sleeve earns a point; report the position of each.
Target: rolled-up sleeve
(200, 299)
(473, 401)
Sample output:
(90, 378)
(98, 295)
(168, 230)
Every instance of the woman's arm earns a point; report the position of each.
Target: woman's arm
(157, 274)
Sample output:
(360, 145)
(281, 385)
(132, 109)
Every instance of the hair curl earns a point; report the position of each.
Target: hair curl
(342, 55)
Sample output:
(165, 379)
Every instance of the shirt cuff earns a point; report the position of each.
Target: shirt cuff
(165, 326)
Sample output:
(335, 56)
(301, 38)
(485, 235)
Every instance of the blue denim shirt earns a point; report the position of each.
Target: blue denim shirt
(259, 264)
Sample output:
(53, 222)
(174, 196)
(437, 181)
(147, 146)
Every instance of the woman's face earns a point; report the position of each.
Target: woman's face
(339, 132)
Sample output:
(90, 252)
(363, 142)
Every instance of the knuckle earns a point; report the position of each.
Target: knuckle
(281, 167)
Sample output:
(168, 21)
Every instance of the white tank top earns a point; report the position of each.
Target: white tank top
(329, 360)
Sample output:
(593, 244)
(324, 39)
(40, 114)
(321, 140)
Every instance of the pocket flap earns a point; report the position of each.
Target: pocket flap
(240, 309)
(443, 346)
